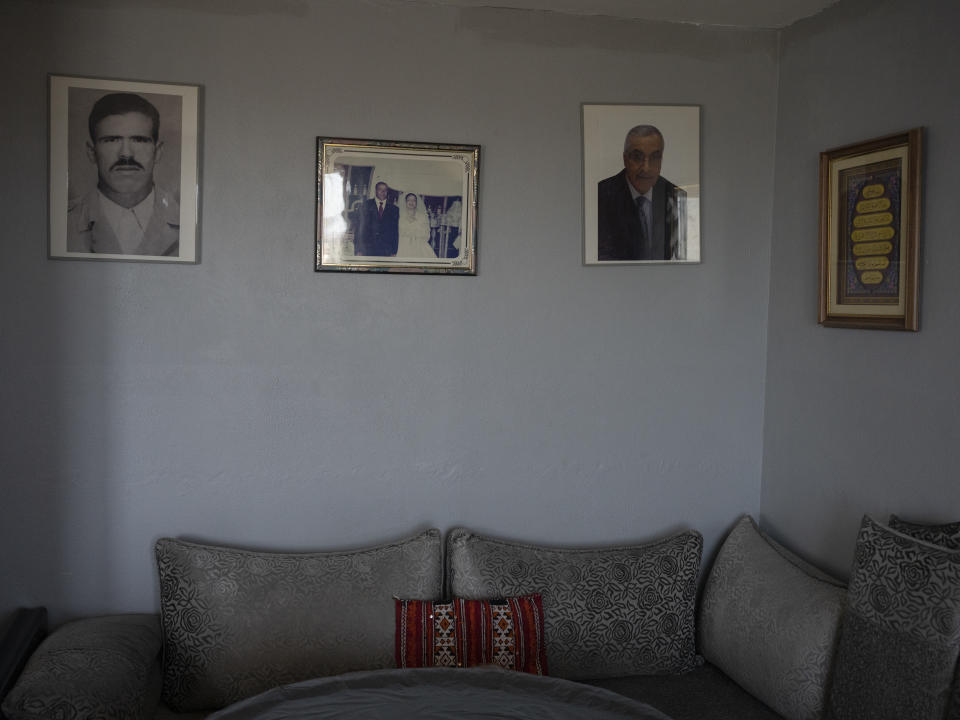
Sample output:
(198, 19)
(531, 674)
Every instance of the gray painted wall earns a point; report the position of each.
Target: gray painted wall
(250, 400)
(861, 421)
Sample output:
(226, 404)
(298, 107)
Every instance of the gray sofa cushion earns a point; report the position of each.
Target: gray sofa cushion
(607, 611)
(102, 667)
(948, 536)
(238, 622)
(901, 632)
(704, 693)
(769, 620)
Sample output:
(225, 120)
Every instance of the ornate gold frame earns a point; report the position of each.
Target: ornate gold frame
(870, 200)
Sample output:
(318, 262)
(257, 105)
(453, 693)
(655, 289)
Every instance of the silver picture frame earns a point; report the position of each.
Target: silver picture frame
(402, 207)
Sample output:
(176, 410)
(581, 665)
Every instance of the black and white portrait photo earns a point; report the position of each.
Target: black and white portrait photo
(641, 183)
(123, 170)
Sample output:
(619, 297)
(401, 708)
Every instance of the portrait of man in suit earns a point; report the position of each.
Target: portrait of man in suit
(640, 214)
(378, 231)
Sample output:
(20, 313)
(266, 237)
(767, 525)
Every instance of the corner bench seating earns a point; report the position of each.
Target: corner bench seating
(758, 645)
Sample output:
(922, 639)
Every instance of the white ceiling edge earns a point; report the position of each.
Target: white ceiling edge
(755, 14)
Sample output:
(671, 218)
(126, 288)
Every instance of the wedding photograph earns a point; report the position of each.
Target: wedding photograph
(396, 207)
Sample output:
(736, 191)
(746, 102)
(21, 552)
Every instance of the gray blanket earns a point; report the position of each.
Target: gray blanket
(439, 694)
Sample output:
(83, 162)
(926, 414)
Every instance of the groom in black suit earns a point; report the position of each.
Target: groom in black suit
(378, 231)
(639, 213)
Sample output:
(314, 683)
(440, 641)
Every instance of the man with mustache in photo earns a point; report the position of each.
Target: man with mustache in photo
(639, 211)
(127, 213)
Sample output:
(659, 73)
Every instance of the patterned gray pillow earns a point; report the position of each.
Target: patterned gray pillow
(900, 637)
(947, 535)
(769, 620)
(103, 667)
(608, 611)
(238, 622)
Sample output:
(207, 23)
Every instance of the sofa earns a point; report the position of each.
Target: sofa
(761, 637)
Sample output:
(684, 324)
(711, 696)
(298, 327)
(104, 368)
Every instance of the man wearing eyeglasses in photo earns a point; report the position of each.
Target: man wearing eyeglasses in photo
(639, 212)
(127, 213)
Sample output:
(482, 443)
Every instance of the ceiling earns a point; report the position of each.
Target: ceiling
(731, 13)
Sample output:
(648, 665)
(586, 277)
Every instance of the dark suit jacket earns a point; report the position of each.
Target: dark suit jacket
(618, 226)
(377, 235)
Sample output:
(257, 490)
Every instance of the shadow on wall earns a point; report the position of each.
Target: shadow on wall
(54, 513)
(56, 461)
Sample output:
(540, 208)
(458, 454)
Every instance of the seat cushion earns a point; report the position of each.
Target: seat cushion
(770, 621)
(238, 622)
(608, 611)
(704, 693)
(165, 713)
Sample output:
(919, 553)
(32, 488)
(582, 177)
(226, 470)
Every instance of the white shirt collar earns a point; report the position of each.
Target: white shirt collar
(634, 194)
(128, 224)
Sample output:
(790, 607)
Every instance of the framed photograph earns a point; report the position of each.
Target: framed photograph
(641, 184)
(124, 169)
(396, 206)
(870, 233)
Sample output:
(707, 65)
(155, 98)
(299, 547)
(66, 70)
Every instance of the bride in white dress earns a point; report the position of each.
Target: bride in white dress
(413, 230)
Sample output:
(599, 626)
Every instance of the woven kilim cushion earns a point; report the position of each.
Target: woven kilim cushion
(466, 633)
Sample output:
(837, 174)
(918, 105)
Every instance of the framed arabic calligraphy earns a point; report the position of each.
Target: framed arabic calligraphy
(870, 233)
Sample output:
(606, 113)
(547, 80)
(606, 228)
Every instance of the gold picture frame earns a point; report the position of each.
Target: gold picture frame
(870, 196)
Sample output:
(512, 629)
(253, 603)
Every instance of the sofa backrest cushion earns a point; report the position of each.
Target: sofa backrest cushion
(769, 620)
(238, 622)
(900, 638)
(97, 667)
(946, 535)
(608, 611)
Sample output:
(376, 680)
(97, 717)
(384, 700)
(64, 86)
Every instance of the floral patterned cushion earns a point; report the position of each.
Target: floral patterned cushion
(608, 612)
(947, 535)
(506, 632)
(238, 622)
(900, 638)
(769, 620)
(100, 667)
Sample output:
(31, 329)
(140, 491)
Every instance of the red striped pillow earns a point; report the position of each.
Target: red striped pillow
(466, 633)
